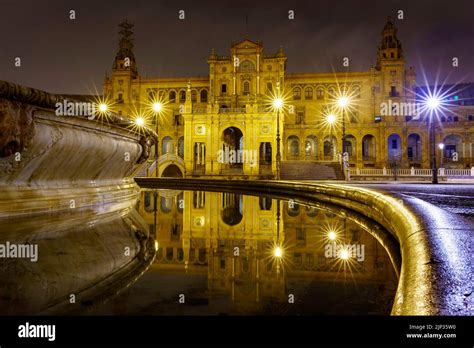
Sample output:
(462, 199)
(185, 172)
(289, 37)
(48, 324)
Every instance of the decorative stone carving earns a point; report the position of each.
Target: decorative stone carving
(17, 127)
(145, 143)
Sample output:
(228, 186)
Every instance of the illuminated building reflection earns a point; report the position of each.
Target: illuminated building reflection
(257, 252)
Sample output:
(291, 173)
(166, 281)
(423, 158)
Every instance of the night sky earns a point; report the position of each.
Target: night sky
(71, 56)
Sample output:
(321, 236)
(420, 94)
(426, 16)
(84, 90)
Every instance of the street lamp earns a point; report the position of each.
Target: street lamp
(343, 103)
(331, 119)
(140, 121)
(432, 104)
(277, 105)
(157, 107)
(103, 108)
(277, 252)
(332, 235)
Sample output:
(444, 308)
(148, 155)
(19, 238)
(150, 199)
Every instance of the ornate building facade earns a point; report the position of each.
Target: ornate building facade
(222, 125)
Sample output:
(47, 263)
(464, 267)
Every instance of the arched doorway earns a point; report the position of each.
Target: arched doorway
(368, 148)
(394, 149)
(232, 208)
(311, 148)
(172, 171)
(350, 147)
(414, 148)
(329, 148)
(232, 152)
(293, 147)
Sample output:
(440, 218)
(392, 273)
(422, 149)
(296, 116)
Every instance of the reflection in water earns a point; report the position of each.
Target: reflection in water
(76, 253)
(225, 253)
(217, 253)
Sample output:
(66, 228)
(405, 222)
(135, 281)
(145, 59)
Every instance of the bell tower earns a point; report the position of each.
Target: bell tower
(125, 59)
(390, 48)
(121, 86)
(390, 62)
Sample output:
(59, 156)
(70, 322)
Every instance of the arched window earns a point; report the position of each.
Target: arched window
(246, 88)
(193, 96)
(246, 66)
(152, 95)
(203, 96)
(320, 93)
(297, 93)
(357, 91)
(182, 96)
(172, 96)
(166, 204)
(332, 92)
(293, 146)
(308, 93)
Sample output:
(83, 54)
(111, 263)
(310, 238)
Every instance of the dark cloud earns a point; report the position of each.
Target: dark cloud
(61, 55)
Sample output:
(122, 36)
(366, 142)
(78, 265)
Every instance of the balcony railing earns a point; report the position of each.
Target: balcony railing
(454, 172)
(232, 110)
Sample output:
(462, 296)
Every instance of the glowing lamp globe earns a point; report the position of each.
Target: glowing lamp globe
(157, 107)
(103, 107)
(140, 121)
(432, 103)
(343, 102)
(344, 254)
(278, 103)
(331, 119)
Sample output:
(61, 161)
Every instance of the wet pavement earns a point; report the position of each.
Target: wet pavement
(454, 198)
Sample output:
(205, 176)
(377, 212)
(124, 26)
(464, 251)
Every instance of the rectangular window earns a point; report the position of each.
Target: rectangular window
(269, 87)
(394, 144)
(199, 199)
(300, 234)
(177, 120)
(224, 88)
(393, 91)
(299, 117)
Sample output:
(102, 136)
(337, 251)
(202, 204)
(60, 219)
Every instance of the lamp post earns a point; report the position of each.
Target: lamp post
(433, 104)
(278, 104)
(156, 107)
(343, 103)
(277, 251)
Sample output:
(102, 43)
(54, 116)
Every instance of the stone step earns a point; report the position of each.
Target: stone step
(292, 170)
